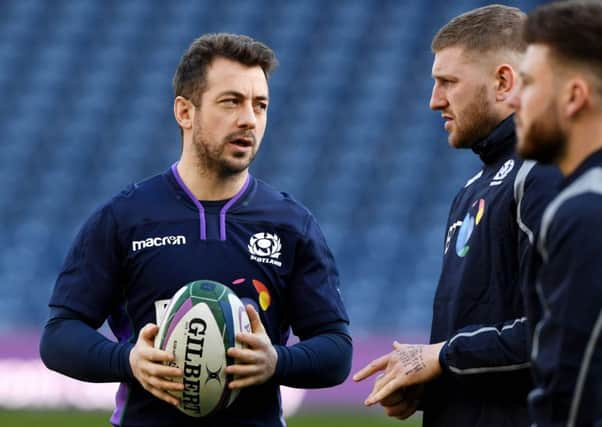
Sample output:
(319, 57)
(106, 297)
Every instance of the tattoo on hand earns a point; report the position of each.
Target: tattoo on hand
(411, 358)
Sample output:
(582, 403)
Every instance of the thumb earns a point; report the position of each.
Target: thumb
(256, 325)
(148, 332)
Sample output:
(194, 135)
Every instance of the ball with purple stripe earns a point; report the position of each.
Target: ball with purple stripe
(200, 323)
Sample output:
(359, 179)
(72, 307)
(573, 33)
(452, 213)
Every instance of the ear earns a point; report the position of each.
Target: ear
(183, 111)
(505, 82)
(578, 96)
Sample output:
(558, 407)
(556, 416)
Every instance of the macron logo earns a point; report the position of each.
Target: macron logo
(152, 242)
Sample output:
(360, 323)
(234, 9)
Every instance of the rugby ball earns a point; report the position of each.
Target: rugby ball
(199, 324)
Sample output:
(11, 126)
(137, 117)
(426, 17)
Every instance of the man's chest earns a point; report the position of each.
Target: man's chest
(255, 260)
(482, 216)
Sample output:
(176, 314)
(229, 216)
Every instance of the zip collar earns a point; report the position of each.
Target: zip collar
(498, 143)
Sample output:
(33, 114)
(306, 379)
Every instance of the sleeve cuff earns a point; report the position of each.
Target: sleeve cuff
(281, 364)
(443, 358)
(125, 360)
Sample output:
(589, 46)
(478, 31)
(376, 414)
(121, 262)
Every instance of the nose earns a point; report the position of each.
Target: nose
(438, 100)
(246, 117)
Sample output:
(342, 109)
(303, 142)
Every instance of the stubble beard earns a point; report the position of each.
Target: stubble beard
(212, 159)
(544, 140)
(474, 123)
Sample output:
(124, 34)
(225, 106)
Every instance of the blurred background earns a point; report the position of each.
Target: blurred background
(88, 109)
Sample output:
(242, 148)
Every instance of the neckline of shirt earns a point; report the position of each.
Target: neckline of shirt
(593, 160)
(211, 206)
(498, 143)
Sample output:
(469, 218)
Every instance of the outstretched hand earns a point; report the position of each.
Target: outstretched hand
(402, 404)
(406, 365)
(256, 363)
(148, 368)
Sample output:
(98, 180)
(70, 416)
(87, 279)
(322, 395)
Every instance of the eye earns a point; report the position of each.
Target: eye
(230, 101)
(261, 106)
(445, 81)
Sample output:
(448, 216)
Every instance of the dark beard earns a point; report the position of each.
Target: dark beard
(544, 141)
(477, 121)
(212, 161)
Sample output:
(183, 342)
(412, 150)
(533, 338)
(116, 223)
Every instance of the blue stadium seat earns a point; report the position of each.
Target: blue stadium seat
(88, 109)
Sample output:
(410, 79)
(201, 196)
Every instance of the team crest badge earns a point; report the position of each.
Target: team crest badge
(265, 248)
(502, 172)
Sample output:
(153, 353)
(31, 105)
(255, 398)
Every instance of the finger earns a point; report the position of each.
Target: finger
(148, 332)
(377, 388)
(250, 340)
(163, 395)
(256, 325)
(377, 382)
(243, 370)
(396, 408)
(156, 370)
(398, 346)
(163, 384)
(381, 381)
(393, 399)
(372, 367)
(246, 381)
(156, 355)
(243, 355)
(408, 412)
(385, 391)
(401, 412)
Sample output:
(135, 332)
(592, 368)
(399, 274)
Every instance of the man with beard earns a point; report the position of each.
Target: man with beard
(559, 120)
(212, 220)
(475, 372)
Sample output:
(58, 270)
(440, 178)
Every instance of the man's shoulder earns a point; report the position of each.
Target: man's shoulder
(278, 206)
(533, 177)
(147, 196)
(576, 209)
(140, 192)
(496, 174)
(581, 199)
(540, 174)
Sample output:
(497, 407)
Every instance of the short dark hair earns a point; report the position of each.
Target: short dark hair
(190, 78)
(485, 29)
(572, 30)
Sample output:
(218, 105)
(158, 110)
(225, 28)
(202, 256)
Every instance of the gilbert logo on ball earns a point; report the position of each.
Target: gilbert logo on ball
(199, 324)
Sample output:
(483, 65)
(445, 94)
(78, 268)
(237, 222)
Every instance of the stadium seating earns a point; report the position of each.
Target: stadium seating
(87, 109)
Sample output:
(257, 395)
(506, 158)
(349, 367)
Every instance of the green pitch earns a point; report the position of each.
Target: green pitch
(75, 418)
(350, 419)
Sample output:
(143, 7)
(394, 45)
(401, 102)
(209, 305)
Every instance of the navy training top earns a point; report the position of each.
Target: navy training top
(564, 304)
(478, 308)
(155, 237)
